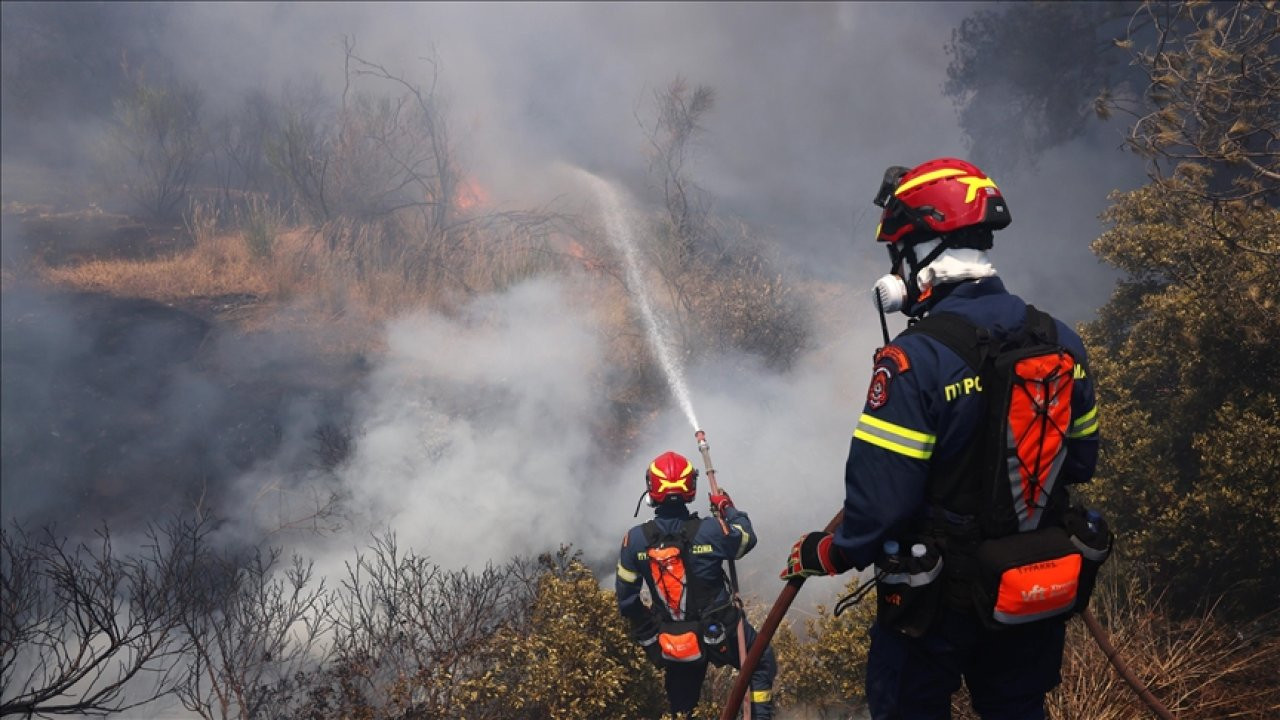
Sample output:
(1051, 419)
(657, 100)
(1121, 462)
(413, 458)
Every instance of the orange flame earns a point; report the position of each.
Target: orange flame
(469, 195)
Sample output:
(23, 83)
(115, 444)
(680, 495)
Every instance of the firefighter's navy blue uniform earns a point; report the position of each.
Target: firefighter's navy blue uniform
(923, 407)
(711, 547)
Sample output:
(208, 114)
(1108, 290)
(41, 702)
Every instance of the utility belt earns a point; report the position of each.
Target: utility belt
(1005, 581)
(711, 637)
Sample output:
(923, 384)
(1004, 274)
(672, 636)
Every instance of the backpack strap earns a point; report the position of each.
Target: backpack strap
(1040, 325)
(973, 343)
(651, 533)
(690, 530)
(966, 339)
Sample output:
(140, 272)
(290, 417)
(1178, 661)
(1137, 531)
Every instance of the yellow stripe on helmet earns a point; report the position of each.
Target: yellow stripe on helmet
(929, 177)
(974, 183)
(679, 484)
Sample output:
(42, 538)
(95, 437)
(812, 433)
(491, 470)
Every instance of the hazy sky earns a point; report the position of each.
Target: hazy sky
(813, 101)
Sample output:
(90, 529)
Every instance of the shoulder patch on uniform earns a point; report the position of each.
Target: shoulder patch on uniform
(626, 539)
(878, 393)
(894, 354)
(890, 360)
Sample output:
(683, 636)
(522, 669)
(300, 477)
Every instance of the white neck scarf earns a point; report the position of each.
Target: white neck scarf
(953, 265)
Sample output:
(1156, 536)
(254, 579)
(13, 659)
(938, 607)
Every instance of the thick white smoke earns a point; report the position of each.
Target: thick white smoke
(473, 437)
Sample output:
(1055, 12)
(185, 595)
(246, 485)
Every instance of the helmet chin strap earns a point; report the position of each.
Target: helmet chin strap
(644, 498)
(901, 290)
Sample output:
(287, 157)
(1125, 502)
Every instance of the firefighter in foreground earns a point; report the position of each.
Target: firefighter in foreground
(978, 419)
(680, 557)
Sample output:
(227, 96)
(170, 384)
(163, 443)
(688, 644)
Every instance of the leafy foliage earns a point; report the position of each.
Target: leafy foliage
(238, 635)
(826, 673)
(1189, 391)
(1213, 94)
(1199, 80)
(573, 659)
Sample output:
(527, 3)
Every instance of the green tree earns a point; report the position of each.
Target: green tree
(1188, 377)
(1212, 97)
(573, 659)
(1182, 351)
(826, 672)
(1189, 386)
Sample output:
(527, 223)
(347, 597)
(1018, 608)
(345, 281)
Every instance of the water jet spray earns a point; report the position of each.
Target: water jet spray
(619, 231)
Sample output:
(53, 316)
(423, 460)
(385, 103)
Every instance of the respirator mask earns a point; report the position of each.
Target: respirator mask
(899, 290)
(892, 291)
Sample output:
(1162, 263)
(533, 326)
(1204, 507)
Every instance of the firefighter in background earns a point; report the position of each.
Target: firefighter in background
(680, 558)
(910, 474)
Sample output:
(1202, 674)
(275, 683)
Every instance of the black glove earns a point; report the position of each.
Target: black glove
(812, 555)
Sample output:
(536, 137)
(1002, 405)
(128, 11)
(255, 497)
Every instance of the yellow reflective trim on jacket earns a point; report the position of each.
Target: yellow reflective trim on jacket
(761, 696)
(1085, 425)
(895, 438)
(742, 545)
(627, 576)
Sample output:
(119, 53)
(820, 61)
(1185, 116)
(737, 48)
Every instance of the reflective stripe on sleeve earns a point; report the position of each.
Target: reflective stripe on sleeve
(904, 441)
(761, 696)
(627, 576)
(742, 545)
(1085, 425)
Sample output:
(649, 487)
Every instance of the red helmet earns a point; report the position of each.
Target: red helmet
(669, 476)
(937, 198)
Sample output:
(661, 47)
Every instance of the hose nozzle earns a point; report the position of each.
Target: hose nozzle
(701, 437)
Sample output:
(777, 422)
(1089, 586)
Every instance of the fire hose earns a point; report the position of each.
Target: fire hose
(743, 675)
(765, 632)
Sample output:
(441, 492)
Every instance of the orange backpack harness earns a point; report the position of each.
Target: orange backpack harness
(683, 600)
(1011, 544)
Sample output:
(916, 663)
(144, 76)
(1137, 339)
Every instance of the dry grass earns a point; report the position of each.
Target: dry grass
(217, 265)
(339, 282)
(1198, 668)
